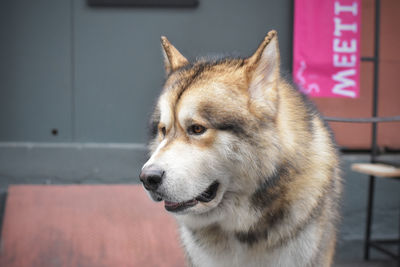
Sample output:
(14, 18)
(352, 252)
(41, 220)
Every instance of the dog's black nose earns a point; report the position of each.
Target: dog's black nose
(151, 177)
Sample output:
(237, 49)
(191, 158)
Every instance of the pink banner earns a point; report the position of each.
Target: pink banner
(326, 53)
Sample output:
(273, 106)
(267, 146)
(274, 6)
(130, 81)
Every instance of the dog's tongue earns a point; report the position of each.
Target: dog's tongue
(175, 206)
(171, 204)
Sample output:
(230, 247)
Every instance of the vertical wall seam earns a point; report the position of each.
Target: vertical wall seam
(72, 70)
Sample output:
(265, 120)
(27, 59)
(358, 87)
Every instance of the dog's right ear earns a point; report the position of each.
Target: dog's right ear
(173, 59)
(263, 72)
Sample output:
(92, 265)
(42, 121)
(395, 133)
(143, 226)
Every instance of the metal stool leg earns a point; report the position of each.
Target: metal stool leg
(371, 189)
(398, 245)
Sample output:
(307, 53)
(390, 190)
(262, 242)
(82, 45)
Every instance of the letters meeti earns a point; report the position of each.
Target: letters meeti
(345, 51)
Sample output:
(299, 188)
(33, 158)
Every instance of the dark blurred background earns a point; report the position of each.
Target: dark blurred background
(78, 82)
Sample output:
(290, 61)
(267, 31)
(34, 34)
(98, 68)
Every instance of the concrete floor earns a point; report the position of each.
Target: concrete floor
(366, 264)
(89, 216)
(350, 253)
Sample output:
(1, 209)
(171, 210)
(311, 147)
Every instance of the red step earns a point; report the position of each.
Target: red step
(87, 225)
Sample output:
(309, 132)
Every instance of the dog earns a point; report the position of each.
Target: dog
(244, 162)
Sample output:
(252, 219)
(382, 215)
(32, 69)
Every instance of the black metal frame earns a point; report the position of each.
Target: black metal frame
(368, 242)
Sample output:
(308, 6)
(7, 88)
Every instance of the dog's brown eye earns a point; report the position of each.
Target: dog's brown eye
(196, 129)
(163, 131)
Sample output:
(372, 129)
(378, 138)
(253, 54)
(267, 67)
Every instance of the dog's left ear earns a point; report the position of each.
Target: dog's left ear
(173, 59)
(263, 70)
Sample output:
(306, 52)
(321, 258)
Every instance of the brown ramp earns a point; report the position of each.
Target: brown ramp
(87, 225)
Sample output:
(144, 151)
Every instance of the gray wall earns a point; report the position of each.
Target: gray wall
(94, 73)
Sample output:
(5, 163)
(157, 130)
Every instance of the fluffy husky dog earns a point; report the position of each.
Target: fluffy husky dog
(244, 162)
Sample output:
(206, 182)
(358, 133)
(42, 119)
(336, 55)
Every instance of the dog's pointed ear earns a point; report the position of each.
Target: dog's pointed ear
(173, 59)
(263, 70)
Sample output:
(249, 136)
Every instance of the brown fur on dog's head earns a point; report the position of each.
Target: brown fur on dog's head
(250, 120)
(234, 100)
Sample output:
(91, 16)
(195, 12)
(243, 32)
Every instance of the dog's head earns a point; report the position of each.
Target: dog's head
(209, 126)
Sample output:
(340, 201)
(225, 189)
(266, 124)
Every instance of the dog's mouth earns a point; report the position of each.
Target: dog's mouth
(208, 195)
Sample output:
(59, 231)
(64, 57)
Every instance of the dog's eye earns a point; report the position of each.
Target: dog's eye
(163, 131)
(196, 129)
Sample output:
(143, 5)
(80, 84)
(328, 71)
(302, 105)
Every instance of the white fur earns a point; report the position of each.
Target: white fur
(298, 252)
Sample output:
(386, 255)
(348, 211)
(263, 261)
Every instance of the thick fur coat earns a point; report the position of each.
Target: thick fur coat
(244, 162)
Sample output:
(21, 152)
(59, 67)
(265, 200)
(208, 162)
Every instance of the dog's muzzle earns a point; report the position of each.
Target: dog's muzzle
(152, 177)
(208, 195)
